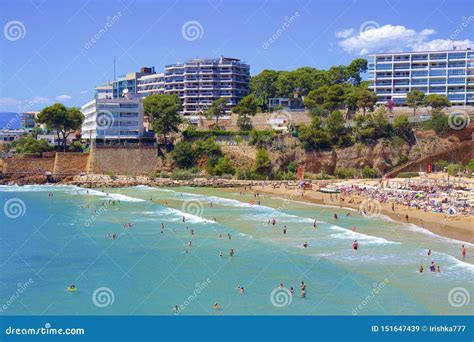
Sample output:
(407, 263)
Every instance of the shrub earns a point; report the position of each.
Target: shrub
(182, 175)
(407, 174)
(224, 167)
(369, 172)
(454, 169)
(343, 172)
(293, 166)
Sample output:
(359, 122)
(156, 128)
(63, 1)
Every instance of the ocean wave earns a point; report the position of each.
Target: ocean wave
(177, 215)
(370, 239)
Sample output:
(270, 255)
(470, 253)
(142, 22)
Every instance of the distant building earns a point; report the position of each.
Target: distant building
(151, 84)
(28, 120)
(104, 91)
(199, 82)
(449, 73)
(113, 119)
(285, 103)
(9, 135)
(129, 82)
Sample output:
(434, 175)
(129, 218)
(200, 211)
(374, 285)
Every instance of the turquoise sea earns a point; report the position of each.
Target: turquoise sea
(49, 242)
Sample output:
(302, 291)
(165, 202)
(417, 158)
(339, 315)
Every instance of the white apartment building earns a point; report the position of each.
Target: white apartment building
(449, 73)
(113, 119)
(199, 82)
(151, 84)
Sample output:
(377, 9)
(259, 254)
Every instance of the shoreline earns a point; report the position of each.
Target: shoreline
(455, 227)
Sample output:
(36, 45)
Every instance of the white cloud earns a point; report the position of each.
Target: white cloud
(390, 38)
(345, 33)
(63, 97)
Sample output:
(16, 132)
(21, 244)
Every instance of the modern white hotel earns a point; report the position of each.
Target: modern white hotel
(113, 119)
(449, 73)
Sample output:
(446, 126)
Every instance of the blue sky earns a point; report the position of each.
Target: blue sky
(48, 52)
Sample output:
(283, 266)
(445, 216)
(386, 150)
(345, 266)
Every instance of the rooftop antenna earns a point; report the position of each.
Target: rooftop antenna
(114, 68)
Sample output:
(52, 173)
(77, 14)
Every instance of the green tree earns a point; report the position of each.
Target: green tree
(183, 154)
(470, 165)
(368, 172)
(340, 134)
(403, 129)
(366, 99)
(36, 131)
(76, 146)
(316, 97)
(224, 167)
(217, 109)
(334, 97)
(263, 165)
(62, 120)
(163, 110)
(415, 99)
(246, 108)
(314, 136)
(29, 145)
(263, 86)
(436, 101)
(355, 69)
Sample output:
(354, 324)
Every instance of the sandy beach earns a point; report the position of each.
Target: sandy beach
(450, 226)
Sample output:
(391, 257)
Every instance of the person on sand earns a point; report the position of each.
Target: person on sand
(463, 252)
(421, 269)
(406, 217)
(355, 246)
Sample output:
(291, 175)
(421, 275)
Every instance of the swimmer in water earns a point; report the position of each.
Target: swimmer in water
(438, 269)
(429, 252)
(190, 243)
(292, 291)
(221, 254)
(315, 224)
(432, 267)
(175, 310)
(231, 252)
(463, 252)
(284, 230)
(241, 290)
(355, 246)
(353, 228)
(421, 269)
(335, 217)
(184, 219)
(305, 245)
(216, 306)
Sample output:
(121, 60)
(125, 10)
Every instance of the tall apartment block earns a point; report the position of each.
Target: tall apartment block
(199, 82)
(449, 73)
(113, 119)
(28, 120)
